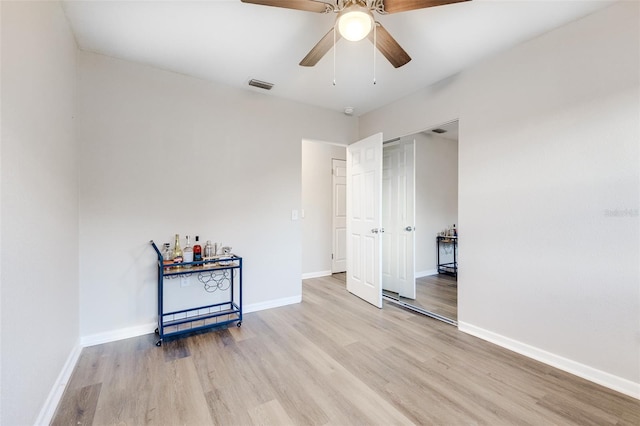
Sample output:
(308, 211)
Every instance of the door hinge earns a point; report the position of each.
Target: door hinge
(331, 256)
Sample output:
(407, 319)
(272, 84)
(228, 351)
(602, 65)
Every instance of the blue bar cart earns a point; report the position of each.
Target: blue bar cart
(223, 274)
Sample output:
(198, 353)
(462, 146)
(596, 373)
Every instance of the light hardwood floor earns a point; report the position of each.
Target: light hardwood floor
(437, 294)
(330, 360)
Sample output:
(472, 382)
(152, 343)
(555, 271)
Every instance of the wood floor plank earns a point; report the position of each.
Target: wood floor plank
(314, 372)
(175, 349)
(230, 376)
(330, 360)
(80, 408)
(241, 333)
(270, 413)
(175, 397)
(124, 378)
(91, 367)
(286, 371)
(571, 410)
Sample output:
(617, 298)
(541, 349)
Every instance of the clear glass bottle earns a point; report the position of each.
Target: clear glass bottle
(197, 250)
(208, 250)
(187, 253)
(177, 251)
(167, 258)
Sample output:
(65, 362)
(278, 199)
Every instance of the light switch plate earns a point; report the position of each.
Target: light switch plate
(294, 214)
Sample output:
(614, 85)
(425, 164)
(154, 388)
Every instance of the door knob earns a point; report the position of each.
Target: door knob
(374, 231)
(409, 228)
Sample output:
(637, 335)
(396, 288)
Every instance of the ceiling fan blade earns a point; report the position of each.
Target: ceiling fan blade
(389, 47)
(320, 49)
(308, 5)
(395, 6)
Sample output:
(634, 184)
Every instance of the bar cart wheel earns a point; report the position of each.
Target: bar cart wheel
(159, 343)
(157, 331)
(239, 323)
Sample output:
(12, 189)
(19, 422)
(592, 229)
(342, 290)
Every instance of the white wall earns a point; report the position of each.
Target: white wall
(39, 205)
(436, 196)
(317, 193)
(549, 190)
(163, 153)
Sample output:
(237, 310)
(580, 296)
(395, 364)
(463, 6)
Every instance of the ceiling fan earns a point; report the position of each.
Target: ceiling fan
(355, 21)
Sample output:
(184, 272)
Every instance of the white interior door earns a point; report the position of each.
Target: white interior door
(398, 218)
(339, 216)
(364, 215)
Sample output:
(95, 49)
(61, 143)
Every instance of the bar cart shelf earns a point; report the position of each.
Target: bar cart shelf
(448, 268)
(217, 274)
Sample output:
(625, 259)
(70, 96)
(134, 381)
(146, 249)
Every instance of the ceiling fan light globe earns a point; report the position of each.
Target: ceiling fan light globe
(355, 25)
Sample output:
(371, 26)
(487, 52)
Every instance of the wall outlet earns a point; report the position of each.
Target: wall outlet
(184, 281)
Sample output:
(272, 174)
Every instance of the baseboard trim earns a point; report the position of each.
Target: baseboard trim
(603, 378)
(318, 274)
(55, 395)
(120, 334)
(276, 303)
(126, 333)
(427, 273)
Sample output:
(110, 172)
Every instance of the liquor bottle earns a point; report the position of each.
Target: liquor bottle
(167, 258)
(188, 254)
(208, 250)
(197, 250)
(177, 251)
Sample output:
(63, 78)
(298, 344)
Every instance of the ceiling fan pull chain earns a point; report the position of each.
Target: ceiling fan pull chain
(375, 40)
(334, 54)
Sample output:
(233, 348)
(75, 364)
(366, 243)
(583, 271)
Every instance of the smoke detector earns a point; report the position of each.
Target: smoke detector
(349, 111)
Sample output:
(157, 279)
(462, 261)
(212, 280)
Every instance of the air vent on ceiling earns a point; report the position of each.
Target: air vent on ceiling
(439, 131)
(260, 84)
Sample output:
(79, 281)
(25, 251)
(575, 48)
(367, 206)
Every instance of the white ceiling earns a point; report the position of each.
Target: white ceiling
(230, 42)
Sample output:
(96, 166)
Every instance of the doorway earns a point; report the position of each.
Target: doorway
(318, 214)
